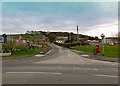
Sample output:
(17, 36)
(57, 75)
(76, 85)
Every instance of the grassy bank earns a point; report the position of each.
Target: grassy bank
(110, 51)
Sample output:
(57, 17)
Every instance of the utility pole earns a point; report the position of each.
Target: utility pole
(69, 40)
(77, 35)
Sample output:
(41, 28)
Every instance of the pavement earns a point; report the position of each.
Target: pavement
(60, 66)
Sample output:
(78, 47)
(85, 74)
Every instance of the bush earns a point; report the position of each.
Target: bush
(85, 43)
(75, 44)
(7, 48)
(43, 44)
(11, 48)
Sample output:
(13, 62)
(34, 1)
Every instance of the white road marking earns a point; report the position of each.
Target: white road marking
(95, 69)
(33, 72)
(48, 52)
(85, 68)
(74, 53)
(105, 75)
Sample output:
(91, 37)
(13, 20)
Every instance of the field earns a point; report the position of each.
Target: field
(110, 51)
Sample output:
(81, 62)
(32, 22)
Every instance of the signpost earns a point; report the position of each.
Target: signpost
(102, 35)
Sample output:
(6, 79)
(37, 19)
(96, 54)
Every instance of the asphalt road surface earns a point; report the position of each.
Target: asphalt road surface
(60, 66)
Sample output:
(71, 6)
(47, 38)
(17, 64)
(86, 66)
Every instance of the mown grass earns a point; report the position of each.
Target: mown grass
(110, 51)
(27, 52)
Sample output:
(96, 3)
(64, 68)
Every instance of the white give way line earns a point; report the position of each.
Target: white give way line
(105, 75)
(33, 72)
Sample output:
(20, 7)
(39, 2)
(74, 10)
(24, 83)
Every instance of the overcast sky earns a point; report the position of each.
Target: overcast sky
(93, 18)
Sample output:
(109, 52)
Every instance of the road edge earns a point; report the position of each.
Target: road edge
(96, 57)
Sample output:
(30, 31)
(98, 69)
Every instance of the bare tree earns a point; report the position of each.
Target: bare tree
(116, 37)
(115, 34)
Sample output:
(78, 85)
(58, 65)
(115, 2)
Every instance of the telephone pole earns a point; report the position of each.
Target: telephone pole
(77, 35)
(70, 40)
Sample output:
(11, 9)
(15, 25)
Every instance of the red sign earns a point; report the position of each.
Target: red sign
(97, 48)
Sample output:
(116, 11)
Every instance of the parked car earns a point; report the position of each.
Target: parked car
(111, 44)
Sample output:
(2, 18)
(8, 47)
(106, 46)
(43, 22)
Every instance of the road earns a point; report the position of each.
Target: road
(60, 66)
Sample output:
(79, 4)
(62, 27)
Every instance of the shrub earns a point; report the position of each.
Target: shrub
(75, 44)
(85, 43)
(5, 48)
(11, 48)
(43, 44)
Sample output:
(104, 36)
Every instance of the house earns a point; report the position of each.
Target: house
(18, 39)
(40, 39)
(61, 39)
(109, 40)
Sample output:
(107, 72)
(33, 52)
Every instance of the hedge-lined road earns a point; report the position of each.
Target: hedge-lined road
(60, 66)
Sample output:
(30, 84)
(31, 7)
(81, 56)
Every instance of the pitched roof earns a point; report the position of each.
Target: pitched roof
(111, 37)
(38, 36)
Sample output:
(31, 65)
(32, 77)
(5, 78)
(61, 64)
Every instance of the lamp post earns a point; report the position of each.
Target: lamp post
(5, 38)
(102, 35)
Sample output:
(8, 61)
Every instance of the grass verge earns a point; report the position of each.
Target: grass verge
(110, 51)
(27, 52)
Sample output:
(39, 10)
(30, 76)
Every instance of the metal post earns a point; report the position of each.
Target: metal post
(102, 35)
(77, 35)
(103, 46)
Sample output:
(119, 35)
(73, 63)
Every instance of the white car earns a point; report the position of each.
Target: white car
(111, 44)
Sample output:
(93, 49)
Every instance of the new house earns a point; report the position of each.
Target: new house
(40, 39)
(19, 39)
(61, 39)
(109, 40)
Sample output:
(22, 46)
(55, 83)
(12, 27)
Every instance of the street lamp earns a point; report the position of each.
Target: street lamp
(5, 38)
(102, 35)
